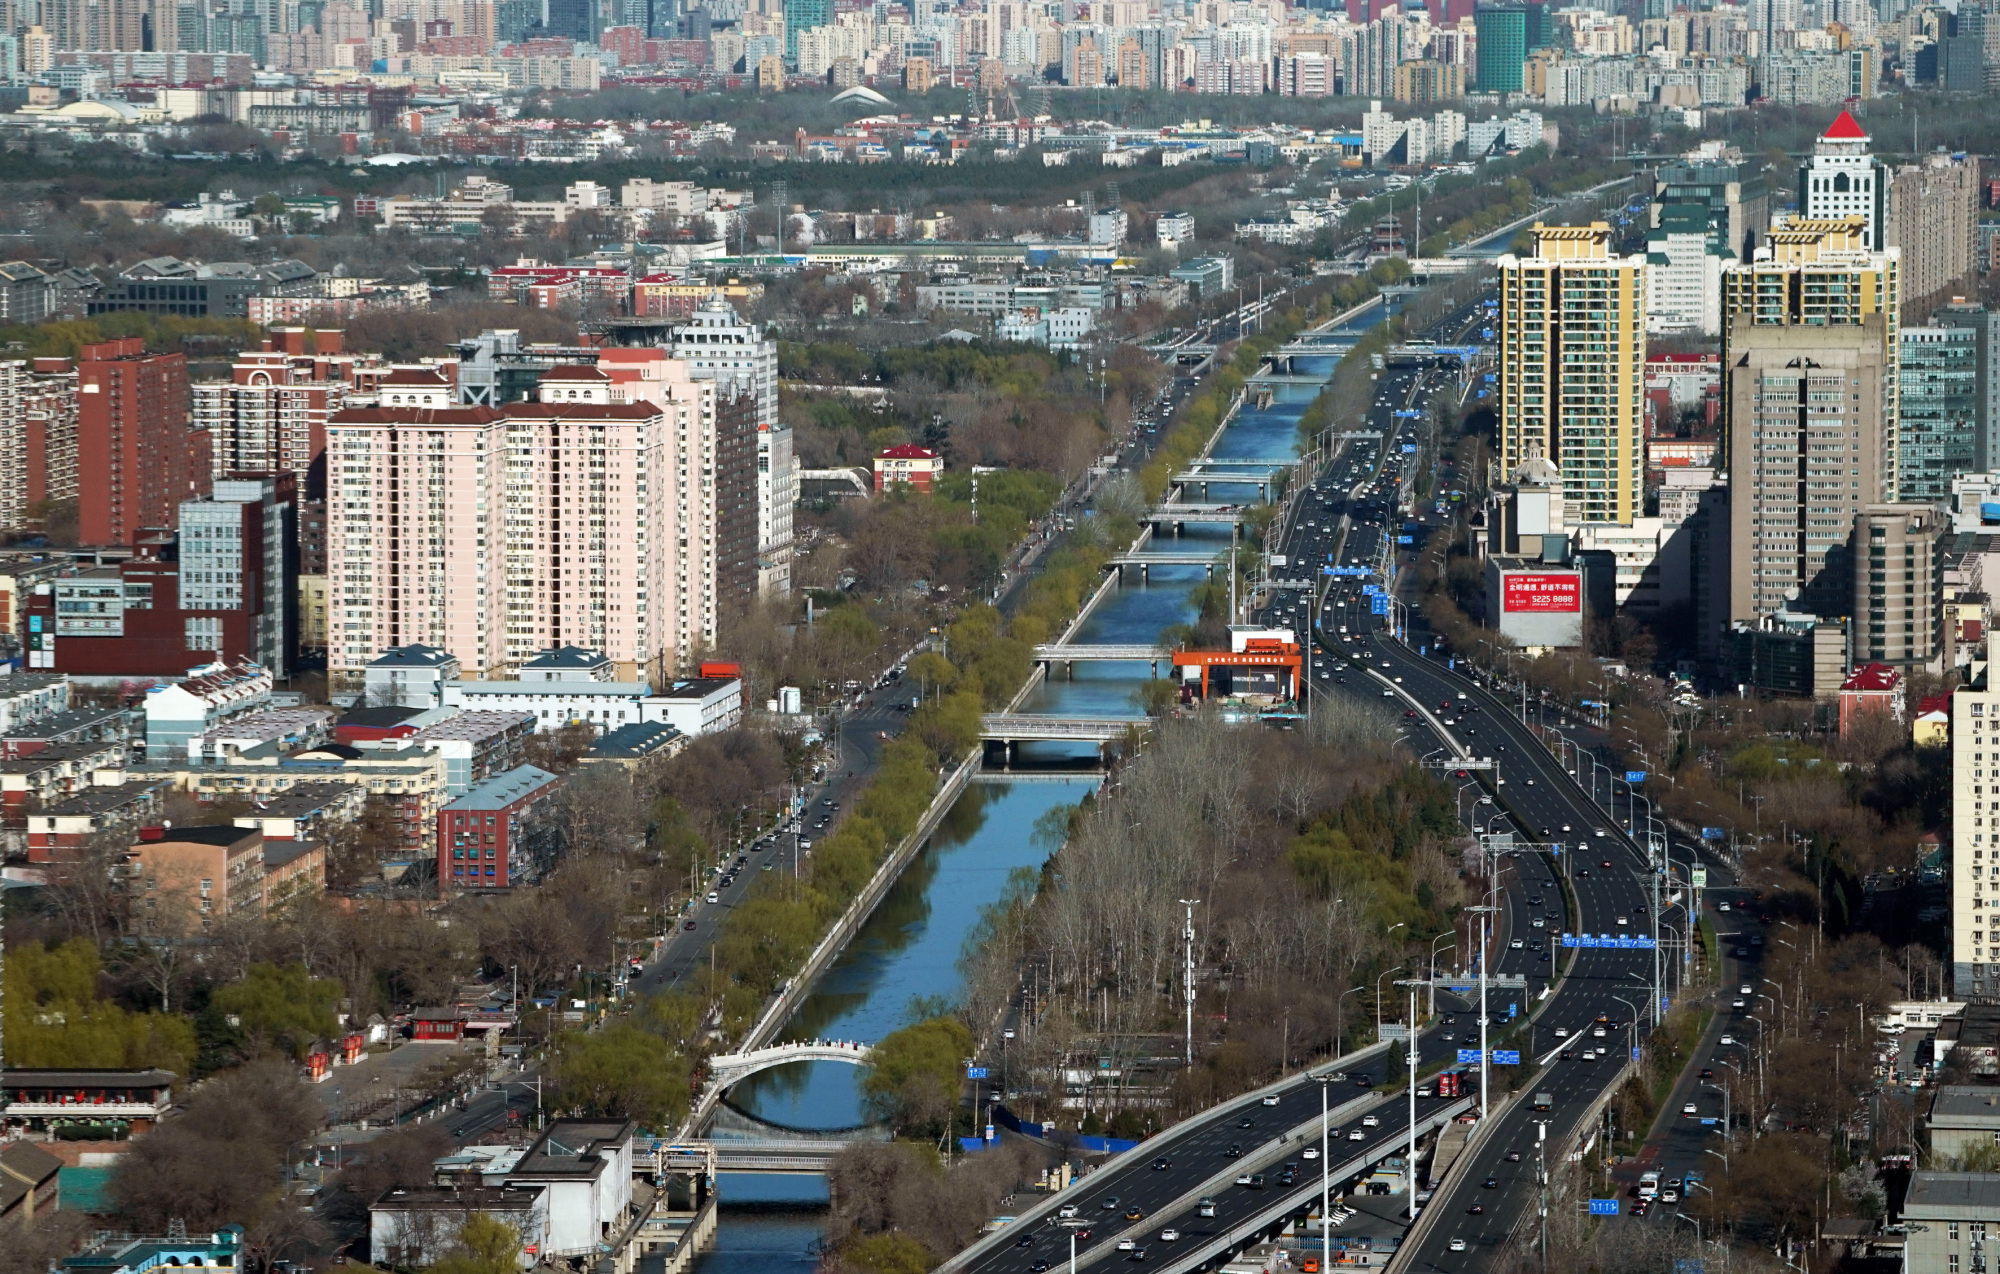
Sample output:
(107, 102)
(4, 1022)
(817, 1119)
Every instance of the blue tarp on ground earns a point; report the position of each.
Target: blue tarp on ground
(84, 1189)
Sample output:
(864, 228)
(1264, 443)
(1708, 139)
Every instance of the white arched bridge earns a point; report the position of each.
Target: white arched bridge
(728, 1069)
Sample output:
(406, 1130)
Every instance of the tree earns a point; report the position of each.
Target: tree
(285, 1006)
(54, 1017)
(486, 1245)
(223, 1160)
(621, 1071)
(914, 1074)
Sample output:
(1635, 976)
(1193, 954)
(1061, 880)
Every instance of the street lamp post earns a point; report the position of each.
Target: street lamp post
(1187, 992)
(1378, 998)
(1434, 967)
(1325, 1079)
(1485, 1068)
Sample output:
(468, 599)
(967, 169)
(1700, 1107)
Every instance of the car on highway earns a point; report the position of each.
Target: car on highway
(1170, 1235)
(1135, 1213)
(1270, 1099)
(1161, 1165)
(1456, 1245)
(1066, 1211)
(1371, 1121)
(1110, 1203)
(1206, 1207)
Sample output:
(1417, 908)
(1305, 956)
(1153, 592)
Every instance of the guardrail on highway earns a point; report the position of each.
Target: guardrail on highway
(1222, 1111)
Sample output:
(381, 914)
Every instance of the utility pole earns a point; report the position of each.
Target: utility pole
(1187, 989)
(1484, 1057)
(1656, 947)
(1410, 1050)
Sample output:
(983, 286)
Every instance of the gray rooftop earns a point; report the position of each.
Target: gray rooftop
(613, 689)
(413, 655)
(1949, 1196)
(567, 657)
(1966, 1106)
(502, 790)
(475, 725)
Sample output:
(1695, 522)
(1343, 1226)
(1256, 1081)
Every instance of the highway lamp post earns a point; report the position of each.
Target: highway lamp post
(1726, 1112)
(1378, 997)
(1325, 1079)
(1339, 1022)
(1434, 968)
(1187, 992)
(1072, 1225)
(1725, 1164)
(1697, 1229)
(1632, 1032)
(1485, 1068)
(1760, 1065)
(1410, 1051)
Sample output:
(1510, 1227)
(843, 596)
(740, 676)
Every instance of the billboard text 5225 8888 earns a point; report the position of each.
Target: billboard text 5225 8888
(1543, 593)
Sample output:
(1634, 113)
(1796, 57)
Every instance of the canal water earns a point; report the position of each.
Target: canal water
(904, 962)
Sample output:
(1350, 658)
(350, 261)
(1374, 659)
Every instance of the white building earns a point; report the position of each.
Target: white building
(717, 345)
(1173, 229)
(410, 676)
(1843, 180)
(1684, 280)
(1975, 503)
(1107, 227)
(1975, 832)
(1066, 328)
(189, 709)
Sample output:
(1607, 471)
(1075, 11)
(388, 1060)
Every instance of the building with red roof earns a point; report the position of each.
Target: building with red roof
(918, 466)
(1843, 180)
(1870, 688)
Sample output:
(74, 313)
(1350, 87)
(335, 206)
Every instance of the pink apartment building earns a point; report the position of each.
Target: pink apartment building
(602, 515)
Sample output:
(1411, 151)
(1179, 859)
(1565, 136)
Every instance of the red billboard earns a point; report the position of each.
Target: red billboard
(1542, 594)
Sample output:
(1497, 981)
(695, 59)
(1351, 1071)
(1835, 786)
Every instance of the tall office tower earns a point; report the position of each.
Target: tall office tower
(717, 345)
(595, 516)
(1939, 434)
(1898, 584)
(1771, 19)
(571, 20)
(1502, 46)
(1843, 180)
(1821, 274)
(1804, 412)
(1572, 367)
(1933, 216)
(238, 557)
(1984, 324)
(1735, 199)
(803, 15)
(139, 458)
(270, 415)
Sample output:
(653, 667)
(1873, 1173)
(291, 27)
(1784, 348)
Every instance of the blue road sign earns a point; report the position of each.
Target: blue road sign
(1714, 833)
(1635, 1054)
(1556, 849)
(1506, 1057)
(1635, 776)
(1468, 1057)
(1409, 448)
(1378, 605)
(975, 1072)
(1406, 539)
(1604, 1207)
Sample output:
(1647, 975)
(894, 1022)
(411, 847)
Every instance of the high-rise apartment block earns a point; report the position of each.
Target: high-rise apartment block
(1975, 833)
(270, 415)
(1572, 367)
(1933, 216)
(1823, 275)
(1985, 327)
(1804, 412)
(1898, 584)
(615, 513)
(136, 454)
(717, 345)
(1734, 200)
(1502, 46)
(1843, 180)
(37, 438)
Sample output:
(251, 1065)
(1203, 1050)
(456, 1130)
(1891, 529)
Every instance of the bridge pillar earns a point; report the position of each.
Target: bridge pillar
(1145, 573)
(1011, 745)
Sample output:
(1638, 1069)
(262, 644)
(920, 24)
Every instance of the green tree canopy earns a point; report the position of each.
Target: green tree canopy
(914, 1074)
(621, 1071)
(486, 1245)
(55, 1018)
(283, 1004)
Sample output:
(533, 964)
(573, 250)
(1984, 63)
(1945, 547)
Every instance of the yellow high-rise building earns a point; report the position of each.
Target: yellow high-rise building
(1572, 368)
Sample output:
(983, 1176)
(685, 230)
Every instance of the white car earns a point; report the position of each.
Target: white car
(1126, 1245)
(1311, 1152)
(1170, 1235)
(1456, 1245)
(1746, 989)
(1728, 1040)
(1357, 1135)
(1562, 1032)
(1517, 945)
(1689, 1109)
(1722, 906)
(1602, 832)
(1270, 1099)
(1066, 1211)
(1370, 1121)
(713, 896)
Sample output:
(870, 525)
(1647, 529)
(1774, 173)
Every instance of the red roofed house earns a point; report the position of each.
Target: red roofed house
(1871, 688)
(918, 466)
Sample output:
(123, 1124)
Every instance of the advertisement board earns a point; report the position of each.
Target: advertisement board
(1542, 594)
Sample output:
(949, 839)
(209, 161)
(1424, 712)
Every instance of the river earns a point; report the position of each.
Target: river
(908, 951)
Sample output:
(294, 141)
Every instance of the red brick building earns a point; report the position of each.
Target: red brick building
(488, 838)
(136, 455)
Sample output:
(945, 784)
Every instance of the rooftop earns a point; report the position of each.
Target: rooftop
(1873, 677)
(384, 718)
(503, 790)
(473, 725)
(1973, 1196)
(641, 738)
(414, 655)
(1966, 1106)
(224, 835)
(567, 657)
(574, 1147)
(697, 688)
(1844, 129)
(624, 689)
